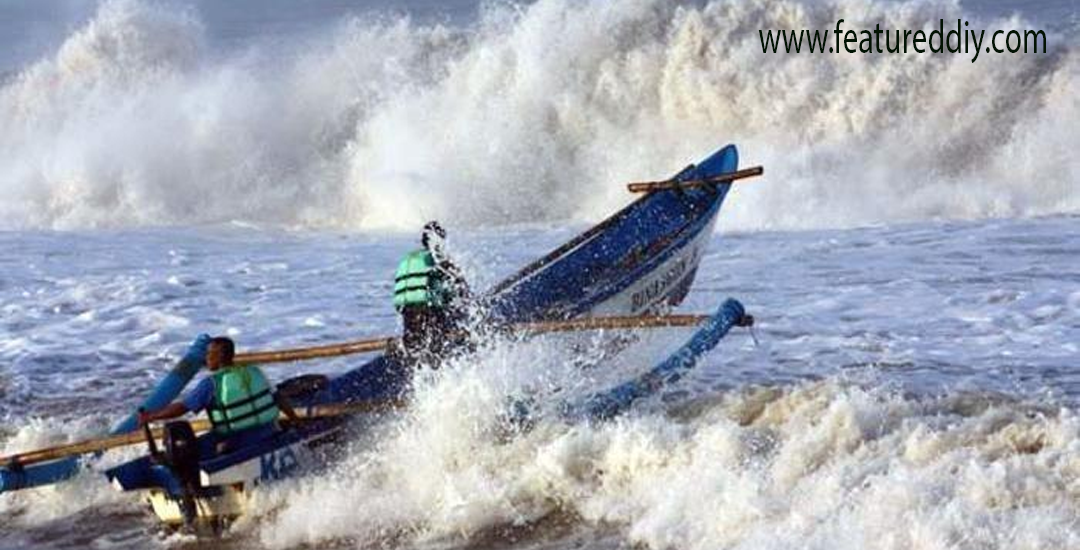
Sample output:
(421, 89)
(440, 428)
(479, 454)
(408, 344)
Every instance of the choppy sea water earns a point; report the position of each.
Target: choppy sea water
(925, 371)
(249, 167)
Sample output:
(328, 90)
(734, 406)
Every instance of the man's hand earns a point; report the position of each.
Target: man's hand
(172, 410)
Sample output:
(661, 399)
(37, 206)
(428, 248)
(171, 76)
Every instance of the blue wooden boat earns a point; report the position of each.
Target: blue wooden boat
(643, 259)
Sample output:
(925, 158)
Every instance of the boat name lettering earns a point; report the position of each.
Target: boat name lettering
(659, 286)
(278, 464)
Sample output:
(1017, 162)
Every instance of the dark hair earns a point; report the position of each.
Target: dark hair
(227, 346)
(429, 228)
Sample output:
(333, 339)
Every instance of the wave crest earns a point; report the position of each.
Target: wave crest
(822, 465)
(532, 113)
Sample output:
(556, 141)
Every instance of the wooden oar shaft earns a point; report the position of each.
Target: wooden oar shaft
(650, 186)
(201, 425)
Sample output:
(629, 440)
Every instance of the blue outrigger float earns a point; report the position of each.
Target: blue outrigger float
(641, 260)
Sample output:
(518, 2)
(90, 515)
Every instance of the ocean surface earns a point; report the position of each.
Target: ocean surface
(255, 169)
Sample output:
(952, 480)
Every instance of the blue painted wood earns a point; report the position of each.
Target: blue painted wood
(169, 388)
(643, 235)
(613, 401)
(14, 478)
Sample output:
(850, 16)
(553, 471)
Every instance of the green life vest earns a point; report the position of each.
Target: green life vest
(243, 399)
(417, 282)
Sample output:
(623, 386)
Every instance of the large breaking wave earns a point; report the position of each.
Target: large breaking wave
(531, 113)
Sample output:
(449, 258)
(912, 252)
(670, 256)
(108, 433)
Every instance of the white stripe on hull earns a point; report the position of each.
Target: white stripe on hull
(649, 293)
(278, 464)
(236, 483)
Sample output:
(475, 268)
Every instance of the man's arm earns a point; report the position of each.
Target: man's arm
(197, 399)
(286, 407)
(456, 280)
(172, 410)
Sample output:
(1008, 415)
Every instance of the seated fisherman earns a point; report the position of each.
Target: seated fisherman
(432, 297)
(237, 398)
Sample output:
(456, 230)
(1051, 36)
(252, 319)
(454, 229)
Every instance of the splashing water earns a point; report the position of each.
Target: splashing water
(824, 465)
(532, 112)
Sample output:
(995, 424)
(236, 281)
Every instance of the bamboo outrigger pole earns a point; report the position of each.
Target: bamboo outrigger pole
(611, 322)
(650, 186)
(339, 409)
(201, 425)
(334, 350)
(316, 352)
(533, 328)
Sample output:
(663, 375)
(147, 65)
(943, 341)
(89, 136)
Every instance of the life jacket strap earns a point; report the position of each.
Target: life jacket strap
(225, 420)
(228, 421)
(245, 401)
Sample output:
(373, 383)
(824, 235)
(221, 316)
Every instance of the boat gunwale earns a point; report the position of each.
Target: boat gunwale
(574, 244)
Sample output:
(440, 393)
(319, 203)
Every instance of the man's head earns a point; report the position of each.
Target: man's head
(432, 237)
(220, 352)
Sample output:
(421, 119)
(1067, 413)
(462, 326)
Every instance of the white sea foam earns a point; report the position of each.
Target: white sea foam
(820, 465)
(86, 490)
(534, 112)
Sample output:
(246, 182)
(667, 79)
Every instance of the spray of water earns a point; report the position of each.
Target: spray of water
(530, 113)
(827, 464)
(88, 490)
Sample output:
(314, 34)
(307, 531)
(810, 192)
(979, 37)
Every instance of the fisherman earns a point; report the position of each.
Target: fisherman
(432, 297)
(238, 398)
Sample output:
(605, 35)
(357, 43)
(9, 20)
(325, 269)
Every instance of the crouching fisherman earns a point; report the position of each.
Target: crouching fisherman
(433, 299)
(238, 399)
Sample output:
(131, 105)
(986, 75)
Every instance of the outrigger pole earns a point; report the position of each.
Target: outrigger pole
(531, 328)
(650, 186)
(201, 425)
(15, 462)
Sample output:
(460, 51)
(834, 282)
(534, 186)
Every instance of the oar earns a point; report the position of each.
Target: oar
(650, 186)
(538, 327)
(100, 444)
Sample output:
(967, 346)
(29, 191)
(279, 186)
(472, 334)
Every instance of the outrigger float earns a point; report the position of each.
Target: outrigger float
(639, 262)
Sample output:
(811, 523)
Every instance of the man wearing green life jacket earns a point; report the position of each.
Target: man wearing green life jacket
(432, 297)
(238, 398)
